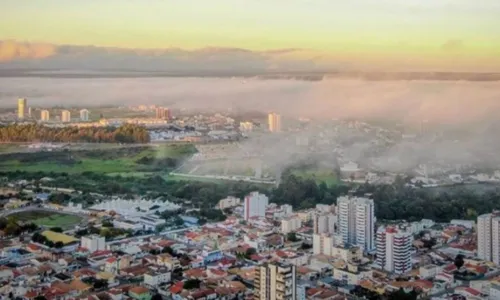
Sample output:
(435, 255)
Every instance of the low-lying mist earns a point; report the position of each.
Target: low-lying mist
(461, 106)
(442, 102)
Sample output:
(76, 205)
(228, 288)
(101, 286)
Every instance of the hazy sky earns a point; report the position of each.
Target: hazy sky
(440, 34)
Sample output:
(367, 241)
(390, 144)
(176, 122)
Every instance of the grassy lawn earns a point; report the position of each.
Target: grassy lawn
(48, 219)
(326, 176)
(184, 178)
(122, 161)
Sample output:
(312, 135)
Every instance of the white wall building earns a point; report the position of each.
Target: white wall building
(255, 205)
(322, 244)
(157, 277)
(286, 209)
(324, 223)
(93, 243)
(228, 202)
(84, 115)
(290, 224)
(394, 250)
(356, 222)
(488, 237)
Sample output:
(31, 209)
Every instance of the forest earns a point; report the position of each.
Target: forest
(20, 133)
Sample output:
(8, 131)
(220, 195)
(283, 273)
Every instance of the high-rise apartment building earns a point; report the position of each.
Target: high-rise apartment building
(323, 244)
(274, 122)
(65, 116)
(44, 116)
(84, 115)
(163, 113)
(275, 281)
(21, 108)
(324, 223)
(255, 205)
(488, 237)
(394, 250)
(356, 222)
(29, 112)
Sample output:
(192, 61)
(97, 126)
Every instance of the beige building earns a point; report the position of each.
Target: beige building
(21, 108)
(66, 116)
(229, 202)
(274, 122)
(275, 281)
(290, 224)
(44, 116)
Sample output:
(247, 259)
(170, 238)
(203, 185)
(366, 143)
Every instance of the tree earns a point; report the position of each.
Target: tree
(292, 237)
(40, 297)
(157, 297)
(59, 245)
(57, 229)
(168, 250)
(250, 252)
(459, 261)
(191, 284)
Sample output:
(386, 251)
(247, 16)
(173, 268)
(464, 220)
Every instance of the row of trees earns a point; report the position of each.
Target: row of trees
(128, 133)
(11, 227)
(392, 202)
(41, 239)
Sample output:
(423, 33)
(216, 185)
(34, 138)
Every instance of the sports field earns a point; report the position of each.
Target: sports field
(48, 219)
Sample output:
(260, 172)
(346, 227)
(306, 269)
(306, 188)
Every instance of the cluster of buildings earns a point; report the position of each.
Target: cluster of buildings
(261, 251)
(24, 112)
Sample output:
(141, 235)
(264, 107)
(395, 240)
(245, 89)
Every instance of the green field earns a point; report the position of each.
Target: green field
(48, 219)
(133, 161)
(319, 175)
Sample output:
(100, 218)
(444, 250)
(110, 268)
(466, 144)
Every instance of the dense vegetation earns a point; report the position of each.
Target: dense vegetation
(396, 201)
(38, 133)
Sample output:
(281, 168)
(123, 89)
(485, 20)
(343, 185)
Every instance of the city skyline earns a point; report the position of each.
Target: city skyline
(362, 34)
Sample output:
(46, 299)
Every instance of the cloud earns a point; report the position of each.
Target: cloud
(11, 50)
(45, 56)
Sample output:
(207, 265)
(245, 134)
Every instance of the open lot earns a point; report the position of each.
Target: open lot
(48, 219)
(138, 160)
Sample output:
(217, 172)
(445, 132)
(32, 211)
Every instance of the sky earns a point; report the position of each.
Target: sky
(461, 35)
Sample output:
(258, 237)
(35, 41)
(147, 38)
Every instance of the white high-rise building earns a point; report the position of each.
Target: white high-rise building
(356, 222)
(488, 237)
(291, 224)
(274, 122)
(275, 281)
(44, 116)
(93, 243)
(394, 250)
(21, 108)
(84, 115)
(255, 205)
(65, 116)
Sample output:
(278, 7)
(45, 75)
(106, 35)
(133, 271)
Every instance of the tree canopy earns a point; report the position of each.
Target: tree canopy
(128, 133)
